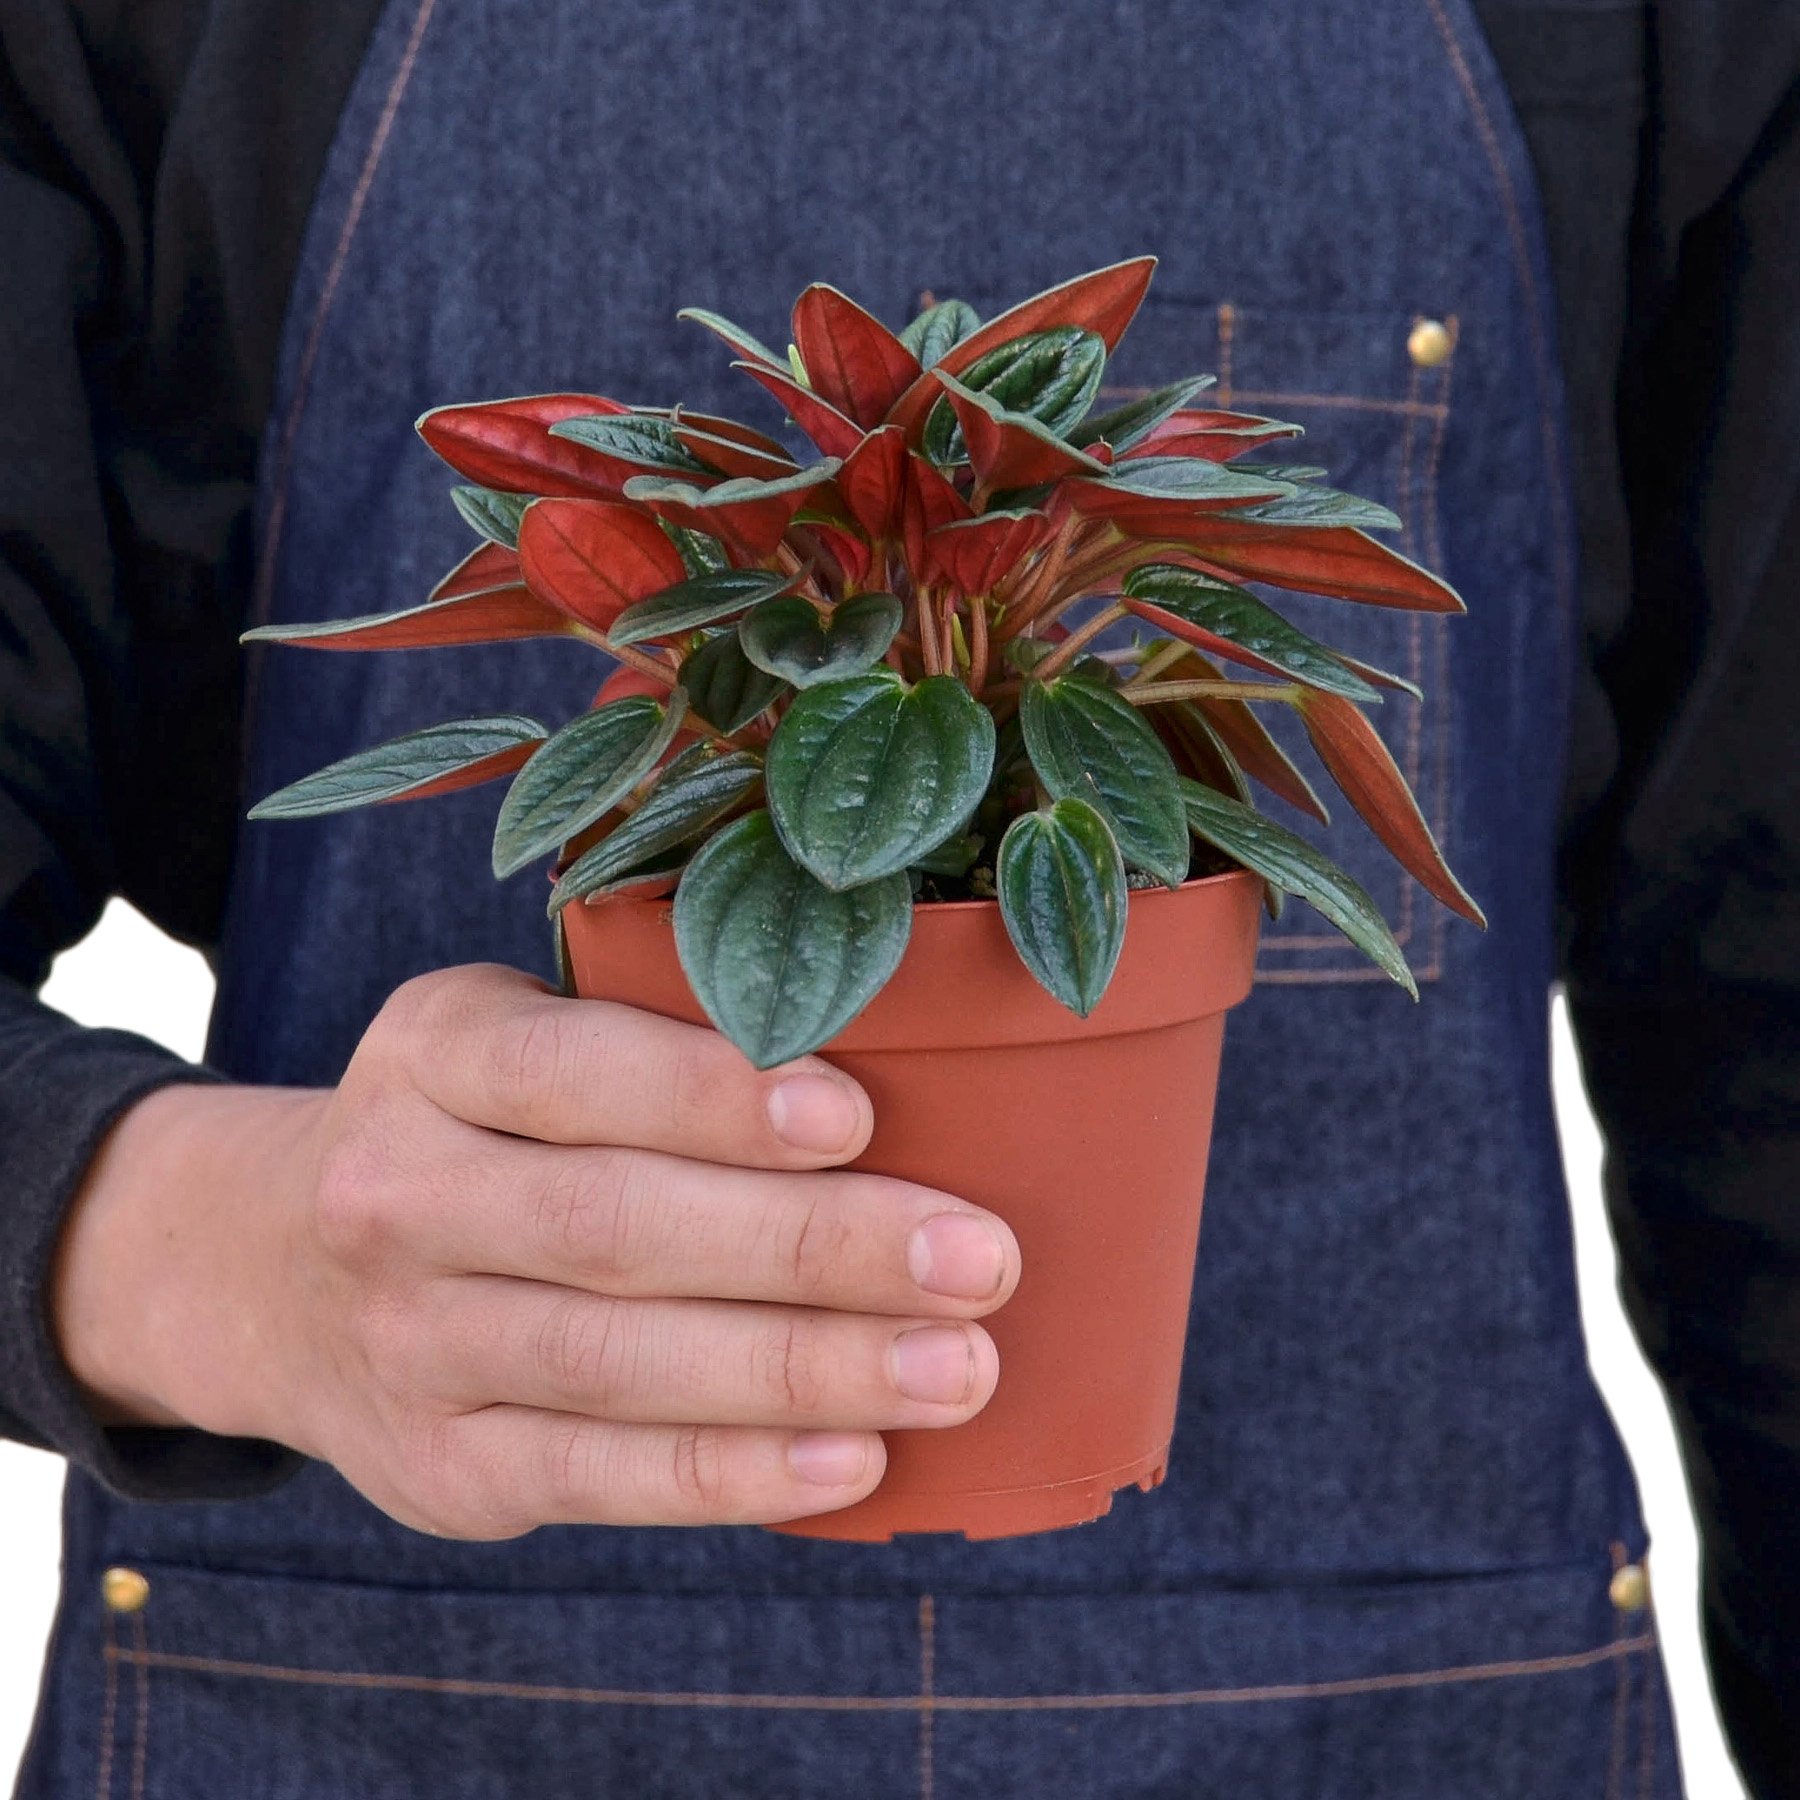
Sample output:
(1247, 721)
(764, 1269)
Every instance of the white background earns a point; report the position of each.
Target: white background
(128, 975)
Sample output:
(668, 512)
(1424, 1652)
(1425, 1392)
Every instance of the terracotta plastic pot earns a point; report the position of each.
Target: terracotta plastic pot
(1089, 1137)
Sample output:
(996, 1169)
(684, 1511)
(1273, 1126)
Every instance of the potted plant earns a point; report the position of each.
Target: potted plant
(932, 740)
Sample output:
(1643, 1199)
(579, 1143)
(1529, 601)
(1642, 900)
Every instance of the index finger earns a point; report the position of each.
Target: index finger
(498, 1048)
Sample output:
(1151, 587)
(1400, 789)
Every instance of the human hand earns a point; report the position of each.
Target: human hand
(533, 1261)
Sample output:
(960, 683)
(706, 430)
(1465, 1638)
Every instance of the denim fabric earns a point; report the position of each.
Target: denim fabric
(1379, 1564)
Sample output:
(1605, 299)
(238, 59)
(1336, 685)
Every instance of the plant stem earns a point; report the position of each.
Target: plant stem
(1077, 640)
(1160, 693)
(978, 644)
(1154, 664)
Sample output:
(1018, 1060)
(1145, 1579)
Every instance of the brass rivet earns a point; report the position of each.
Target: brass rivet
(125, 1590)
(1430, 343)
(1630, 1588)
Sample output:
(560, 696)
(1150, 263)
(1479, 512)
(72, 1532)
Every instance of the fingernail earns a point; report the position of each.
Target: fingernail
(813, 1112)
(959, 1255)
(829, 1458)
(934, 1362)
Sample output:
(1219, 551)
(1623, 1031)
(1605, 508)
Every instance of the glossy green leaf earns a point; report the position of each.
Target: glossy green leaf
(866, 775)
(1050, 376)
(1294, 866)
(458, 754)
(954, 857)
(1062, 891)
(582, 772)
(1314, 506)
(493, 514)
(1132, 422)
(787, 637)
(740, 340)
(1235, 624)
(700, 600)
(648, 441)
(701, 554)
(780, 962)
(696, 790)
(1088, 744)
(1177, 478)
(940, 328)
(725, 687)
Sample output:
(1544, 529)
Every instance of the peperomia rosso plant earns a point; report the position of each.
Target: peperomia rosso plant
(988, 643)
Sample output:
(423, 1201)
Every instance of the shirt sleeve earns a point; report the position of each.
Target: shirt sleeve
(1682, 878)
(117, 667)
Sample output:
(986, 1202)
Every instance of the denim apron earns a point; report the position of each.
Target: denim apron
(1384, 1563)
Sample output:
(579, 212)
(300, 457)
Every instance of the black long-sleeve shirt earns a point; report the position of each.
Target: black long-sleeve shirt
(156, 164)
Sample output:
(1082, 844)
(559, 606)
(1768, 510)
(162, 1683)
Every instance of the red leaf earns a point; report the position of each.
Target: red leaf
(1216, 436)
(851, 554)
(626, 683)
(929, 502)
(1007, 453)
(873, 480)
(973, 554)
(1104, 301)
(490, 768)
(1196, 751)
(1350, 747)
(729, 429)
(594, 558)
(1249, 739)
(752, 522)
(1336, 560)
(506, 444)
(485, 570)
(853, 361)
(487, 618)
(834, 434)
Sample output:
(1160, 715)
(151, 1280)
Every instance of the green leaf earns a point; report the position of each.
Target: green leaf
(402, 766)
(1048, 376)
(866, 775)
(632, 437)
(736, 336)
(954, 857)
(494, 514)
(1234, 616)
(1294, 866)
(700, 600)
(780, 962)
(939, 328)
(583, 771)
(1132, 422)
(698, 788)
(1317, 506)
(725, 687)
(1088, 744)
(701, 553)
(1062, 894)
(1191, 478)
(787, 637)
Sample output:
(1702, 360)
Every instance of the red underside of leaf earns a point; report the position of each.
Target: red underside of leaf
(834, 434)
(506, 444)
(1195, 753)
(725, 456)
(1197, 635)
(1104, 302)
(973, 554)
(752, 527)
(1351, 748)
(929, 503)
(1004, 455)
(1215, 436)
(851, 554)
(594, 558)
(490, 768)
(1335, 560)
(1249, 739)
(628, 684)
(853, 361)
(873, 482)
(485, 570)
(731, 430)
(489, 618)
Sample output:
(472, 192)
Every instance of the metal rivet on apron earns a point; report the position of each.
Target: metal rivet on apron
(1429, 343)
(125, 1590)
(1630, 1588)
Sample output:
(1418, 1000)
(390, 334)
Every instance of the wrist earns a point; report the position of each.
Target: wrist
(160, 1298)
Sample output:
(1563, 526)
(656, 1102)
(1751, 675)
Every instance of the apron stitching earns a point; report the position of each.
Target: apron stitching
(109, 1711)
(141, 1723)
(1441, 670)
(1425, 409)
(1652, 1698)
(315, 333)
(1227, 321)
(1348, 1688)
(1540, 345)
(927, 1696)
